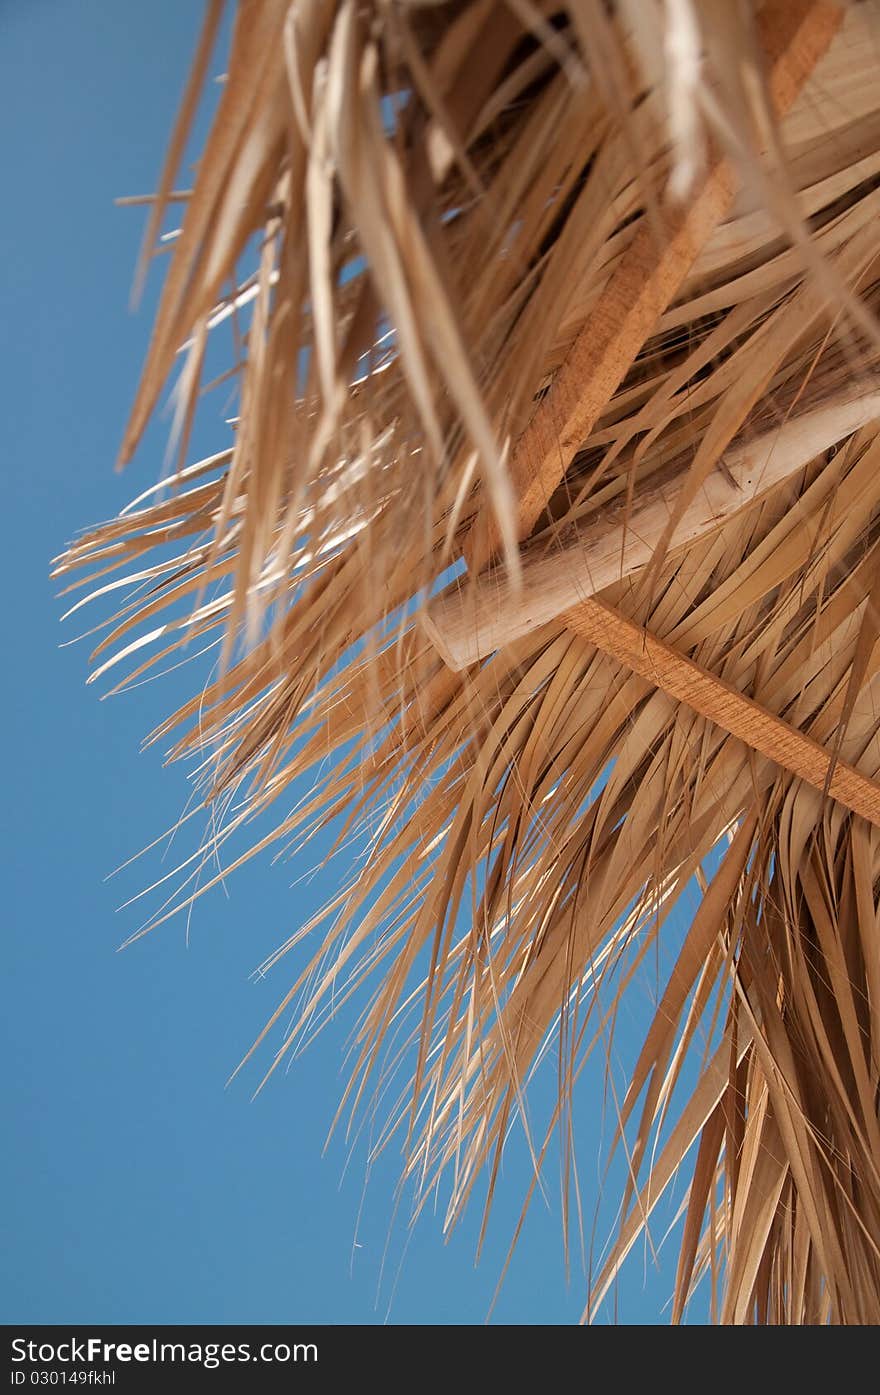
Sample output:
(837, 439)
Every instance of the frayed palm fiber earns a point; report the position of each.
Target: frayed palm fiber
(439, 196)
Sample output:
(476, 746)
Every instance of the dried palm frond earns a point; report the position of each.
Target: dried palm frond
(566, 276)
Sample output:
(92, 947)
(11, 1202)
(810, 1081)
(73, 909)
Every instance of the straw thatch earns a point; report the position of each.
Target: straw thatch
(581, 295)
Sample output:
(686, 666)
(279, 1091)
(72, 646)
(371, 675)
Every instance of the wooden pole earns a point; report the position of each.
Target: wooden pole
(686, 681)
(794, 34)
(474, 618)
(794, 37)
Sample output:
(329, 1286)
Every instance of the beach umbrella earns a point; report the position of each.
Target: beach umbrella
(544, 543)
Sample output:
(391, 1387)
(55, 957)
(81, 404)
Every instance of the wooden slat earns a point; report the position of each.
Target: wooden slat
(794, 34)
(474, 618)
(721, 703)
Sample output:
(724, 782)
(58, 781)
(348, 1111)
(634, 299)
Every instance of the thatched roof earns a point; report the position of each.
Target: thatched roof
(550, 529)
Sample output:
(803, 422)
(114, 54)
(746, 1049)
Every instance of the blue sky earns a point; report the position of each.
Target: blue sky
(138, 1187)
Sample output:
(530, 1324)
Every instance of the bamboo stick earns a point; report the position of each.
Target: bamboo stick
(686, 681)
(474, 619)
(794, 36)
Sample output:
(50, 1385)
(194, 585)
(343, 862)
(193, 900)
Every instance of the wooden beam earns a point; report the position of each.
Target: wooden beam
(794, 34)
(474, 618)
(721, 703)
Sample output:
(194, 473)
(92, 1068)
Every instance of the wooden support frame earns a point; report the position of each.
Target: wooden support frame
(475, 617)
(794, 37)
(794, 34)
(688, 682)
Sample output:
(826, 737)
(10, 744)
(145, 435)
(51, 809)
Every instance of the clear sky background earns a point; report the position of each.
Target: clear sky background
(136, 1186)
